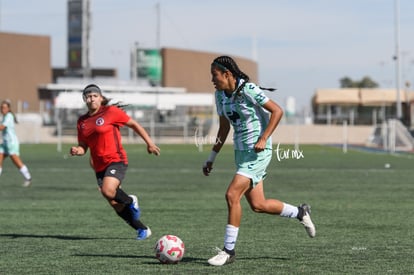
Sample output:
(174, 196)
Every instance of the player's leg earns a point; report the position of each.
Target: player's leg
(109, 182)
(237, 188)
(258, 203)
(22, 169)
(257, 200)
(126, 206)
(2, 157)
(239, 185)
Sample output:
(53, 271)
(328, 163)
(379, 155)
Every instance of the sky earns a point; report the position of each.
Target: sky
(299, 45)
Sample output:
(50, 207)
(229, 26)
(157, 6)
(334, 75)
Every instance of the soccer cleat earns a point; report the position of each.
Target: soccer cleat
(221, 258)
(136, 212)
(305, 219)
(143, 233)
(27, 183)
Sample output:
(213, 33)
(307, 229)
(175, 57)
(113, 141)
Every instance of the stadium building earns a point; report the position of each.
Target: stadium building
(174, 102)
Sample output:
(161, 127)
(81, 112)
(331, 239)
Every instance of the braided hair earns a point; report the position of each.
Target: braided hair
(226, 63)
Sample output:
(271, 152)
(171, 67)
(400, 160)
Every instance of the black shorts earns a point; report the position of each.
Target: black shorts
(115, 170)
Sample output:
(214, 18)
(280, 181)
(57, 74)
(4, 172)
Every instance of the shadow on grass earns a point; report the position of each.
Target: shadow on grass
(262, 258)
(154, 260)
(113, 256)
(58, 237)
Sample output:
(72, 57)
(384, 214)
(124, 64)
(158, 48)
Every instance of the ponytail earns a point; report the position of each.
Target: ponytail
(226, 63)
(268, 89)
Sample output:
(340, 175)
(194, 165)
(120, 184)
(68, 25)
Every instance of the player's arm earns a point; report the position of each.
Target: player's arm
(4, 124)
(151, 147)
(276, 114)
(223, 131)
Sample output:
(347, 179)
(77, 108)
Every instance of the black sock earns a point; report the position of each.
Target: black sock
(122, 197)
(300, 213)
(230, 252)
(139, 225)
(126, 215)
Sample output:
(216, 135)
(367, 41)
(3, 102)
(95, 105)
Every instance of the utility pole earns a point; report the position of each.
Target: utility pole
(86, 64)
(0, 15)
(158, 34)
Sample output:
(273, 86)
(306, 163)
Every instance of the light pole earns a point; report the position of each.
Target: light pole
(397, 57)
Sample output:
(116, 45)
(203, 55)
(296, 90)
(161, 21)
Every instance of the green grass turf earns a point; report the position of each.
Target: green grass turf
(61, 225)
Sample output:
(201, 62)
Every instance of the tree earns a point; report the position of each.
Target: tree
(346, 82)
(365, 82)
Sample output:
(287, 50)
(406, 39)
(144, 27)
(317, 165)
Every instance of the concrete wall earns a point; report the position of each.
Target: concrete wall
(321, 134)
(191, 69)
(24, 64)
(31, 131)
(313, 134)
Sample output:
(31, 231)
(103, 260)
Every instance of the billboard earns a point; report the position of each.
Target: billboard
(75, 34)
(149, 65)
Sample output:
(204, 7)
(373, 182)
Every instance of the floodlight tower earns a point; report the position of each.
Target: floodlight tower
(79, 18)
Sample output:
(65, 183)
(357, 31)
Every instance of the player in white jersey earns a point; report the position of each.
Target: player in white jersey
(254, 117)
(10, 145)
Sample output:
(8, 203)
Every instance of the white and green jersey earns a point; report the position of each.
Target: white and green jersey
(9, 134)
(246, 114)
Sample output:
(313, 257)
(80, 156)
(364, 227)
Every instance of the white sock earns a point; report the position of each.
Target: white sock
(289, 211)
(25, 172)
(230, 237)
(1, 170)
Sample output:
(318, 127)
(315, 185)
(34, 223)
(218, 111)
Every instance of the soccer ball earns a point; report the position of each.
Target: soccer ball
(169, 249)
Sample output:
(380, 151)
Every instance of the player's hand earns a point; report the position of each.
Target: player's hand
(207, 167)
(260, 145)
(76, 151)
(153, 149)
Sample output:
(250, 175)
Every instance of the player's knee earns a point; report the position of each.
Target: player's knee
(108, 193)
(232, 197)
(256, 207)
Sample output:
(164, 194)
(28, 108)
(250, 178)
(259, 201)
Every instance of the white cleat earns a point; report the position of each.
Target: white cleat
(27, 183)
(221, 258)
(305, 219)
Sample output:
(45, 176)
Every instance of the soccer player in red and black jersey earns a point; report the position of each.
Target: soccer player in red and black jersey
(98, 130)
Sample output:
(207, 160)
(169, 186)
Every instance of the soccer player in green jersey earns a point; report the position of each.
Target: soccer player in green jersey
(254, 117)
(10, 146)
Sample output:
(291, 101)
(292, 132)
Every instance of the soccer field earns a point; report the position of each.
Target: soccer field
(362, 210)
